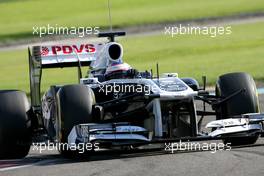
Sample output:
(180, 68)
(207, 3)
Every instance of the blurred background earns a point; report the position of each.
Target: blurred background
(145, 43)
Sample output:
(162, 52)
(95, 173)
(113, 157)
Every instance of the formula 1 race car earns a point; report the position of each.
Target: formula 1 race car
(117, 106)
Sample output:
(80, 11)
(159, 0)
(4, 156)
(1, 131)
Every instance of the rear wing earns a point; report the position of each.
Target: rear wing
(56, 56)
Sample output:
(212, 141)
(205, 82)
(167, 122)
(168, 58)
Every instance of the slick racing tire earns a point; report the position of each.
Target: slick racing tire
(15, 125)
(242, 103)
(74, 106)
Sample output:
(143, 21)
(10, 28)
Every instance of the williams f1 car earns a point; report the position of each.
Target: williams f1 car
(116, 105)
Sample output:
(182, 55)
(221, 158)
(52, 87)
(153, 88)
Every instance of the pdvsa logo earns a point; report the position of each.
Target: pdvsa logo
(68, 49)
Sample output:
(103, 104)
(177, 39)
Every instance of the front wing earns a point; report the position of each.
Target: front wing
(121, 134)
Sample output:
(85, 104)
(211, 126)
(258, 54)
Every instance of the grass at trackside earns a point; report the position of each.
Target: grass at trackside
(17, 17)
(188, 55)
(195, 56)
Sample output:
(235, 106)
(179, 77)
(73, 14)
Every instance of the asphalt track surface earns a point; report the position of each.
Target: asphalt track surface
(239, 161)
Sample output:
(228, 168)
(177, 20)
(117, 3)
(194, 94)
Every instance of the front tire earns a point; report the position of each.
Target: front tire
(245, 102)
(75, 104)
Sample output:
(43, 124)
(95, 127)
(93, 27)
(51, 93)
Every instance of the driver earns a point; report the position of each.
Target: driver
(119, 71)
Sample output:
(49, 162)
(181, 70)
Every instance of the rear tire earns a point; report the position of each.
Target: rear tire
(245, 102)
(75, 103)
(15, 125)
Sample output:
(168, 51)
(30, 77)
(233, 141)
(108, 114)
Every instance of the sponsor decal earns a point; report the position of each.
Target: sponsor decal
(67, 49)
(44, 51)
